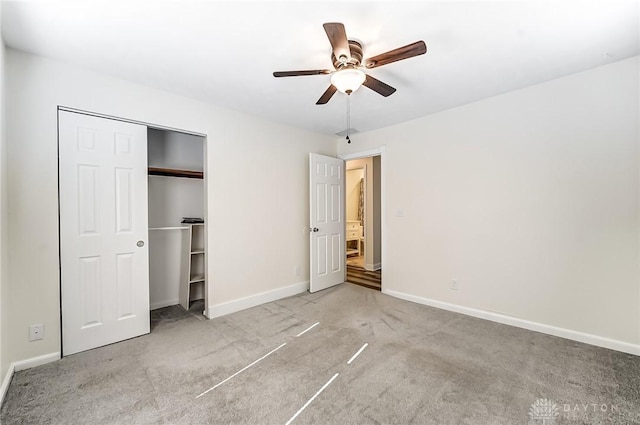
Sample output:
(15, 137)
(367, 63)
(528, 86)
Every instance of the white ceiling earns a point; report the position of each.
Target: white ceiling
(225, 52)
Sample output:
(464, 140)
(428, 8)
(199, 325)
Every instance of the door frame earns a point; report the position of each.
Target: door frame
(148, 125)
(379, 151)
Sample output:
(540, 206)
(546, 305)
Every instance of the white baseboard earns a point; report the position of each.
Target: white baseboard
(162, 304)
(36, 361)
(586, 338)
(373, 267)
(229, 307)
(22, 365)
(5, 383)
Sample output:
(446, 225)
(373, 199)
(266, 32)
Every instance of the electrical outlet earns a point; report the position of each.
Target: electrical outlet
(36, 332)
(454, 285)
(296, 271)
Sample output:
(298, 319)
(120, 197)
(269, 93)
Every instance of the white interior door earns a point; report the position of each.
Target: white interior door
(103, 231)
(326, 206)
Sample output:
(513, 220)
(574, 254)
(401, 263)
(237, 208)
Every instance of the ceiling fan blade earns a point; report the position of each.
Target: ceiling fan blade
(338, 39)
(327, 95)
(298, 73)
(378, 86)
(406, 52)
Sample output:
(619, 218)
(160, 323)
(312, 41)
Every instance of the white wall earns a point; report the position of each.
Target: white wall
(170, 149)
(258, 183)
(172, 198)
(530, 200)
(165, 262)
(4, 358)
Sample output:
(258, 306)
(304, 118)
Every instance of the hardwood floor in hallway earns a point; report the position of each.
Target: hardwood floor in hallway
(357, 274)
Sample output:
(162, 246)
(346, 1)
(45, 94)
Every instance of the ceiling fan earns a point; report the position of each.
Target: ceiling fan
(349, 73)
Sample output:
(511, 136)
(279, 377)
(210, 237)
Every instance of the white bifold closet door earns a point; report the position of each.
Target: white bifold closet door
(103, 231)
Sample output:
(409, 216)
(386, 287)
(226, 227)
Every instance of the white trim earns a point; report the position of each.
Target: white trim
(379, 151)
(586, 338)
(22, 365)
(363, 154)
(114, 118)
(5, 383)
(229, 307)
(373, 267)
(162, 304)
(36, 361)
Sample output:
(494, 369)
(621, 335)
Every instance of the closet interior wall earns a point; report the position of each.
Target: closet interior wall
(170, 199)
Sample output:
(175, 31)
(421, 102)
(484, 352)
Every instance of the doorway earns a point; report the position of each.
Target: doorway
(176, 224)
(363, 221)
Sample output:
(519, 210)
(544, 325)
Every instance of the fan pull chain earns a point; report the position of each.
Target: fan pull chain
(348, 117)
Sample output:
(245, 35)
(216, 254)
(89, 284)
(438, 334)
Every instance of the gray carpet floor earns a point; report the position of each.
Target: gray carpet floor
(421, 366)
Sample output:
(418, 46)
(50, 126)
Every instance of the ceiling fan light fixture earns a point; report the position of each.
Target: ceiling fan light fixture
(348, 80)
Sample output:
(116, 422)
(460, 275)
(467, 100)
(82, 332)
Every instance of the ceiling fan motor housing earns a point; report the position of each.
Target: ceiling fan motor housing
(354, 61)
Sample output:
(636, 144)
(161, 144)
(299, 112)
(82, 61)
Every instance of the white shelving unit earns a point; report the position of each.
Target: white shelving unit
(192, 285)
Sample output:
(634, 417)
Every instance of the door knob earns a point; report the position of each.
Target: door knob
(315, 229)
(140, 244)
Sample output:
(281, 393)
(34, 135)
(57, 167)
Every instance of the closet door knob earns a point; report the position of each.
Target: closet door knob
(140, 244)
(315, 229)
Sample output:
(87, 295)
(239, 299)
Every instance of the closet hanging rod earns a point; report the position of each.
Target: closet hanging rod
(170, 172)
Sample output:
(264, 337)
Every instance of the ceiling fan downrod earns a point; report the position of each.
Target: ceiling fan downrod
(348, 117)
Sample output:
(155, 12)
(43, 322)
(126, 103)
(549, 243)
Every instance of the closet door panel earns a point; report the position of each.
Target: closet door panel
(103, 231)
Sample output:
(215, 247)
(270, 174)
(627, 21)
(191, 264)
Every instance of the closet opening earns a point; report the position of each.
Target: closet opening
(177, 255)
(363, 222)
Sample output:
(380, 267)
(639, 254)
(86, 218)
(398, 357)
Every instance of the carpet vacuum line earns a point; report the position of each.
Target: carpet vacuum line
(243, 369)
(326, 385)
(255, 362)
(312, 398)
(308, 329)
(358, 353)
